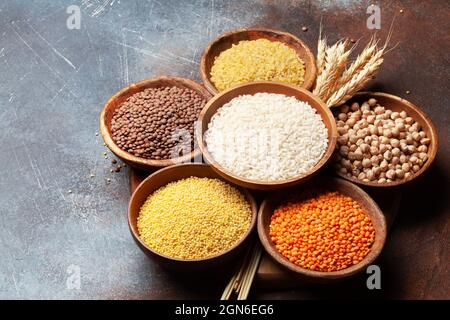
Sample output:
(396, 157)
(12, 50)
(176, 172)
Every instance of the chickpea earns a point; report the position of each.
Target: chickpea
(384, 165)
(400, 126)
(416, 136)
(364, 147)
(374, 160)
(357, 164)
(384, 140)
(425, 141)
(353, 138)
(422, 134)
(408, 175)
(387, 155)
(346, 164)
(410, 149)
(423, 156)
(416, 168)
(374, 150)
(399, 174)
(344, 108)
(377, 122)
(390, 174)
(383, 148)
(366, 163)
(372, 102)
(341, 131)
(417, 126)
(395, 132)
(365, 106)
(379, 110)
(356, 172)
(354, 106)
(403, 158)
(356, 115)
(342, 116)
(358, 154)
(396, 152)
(344, 151)
(395, 160)
(351, 122)
(422, 148)
(387, 133)
(413, 160)
(371, 119)
(395, 115)
(370, 175)
(374, 143)
(402, 135)
(403, 114)
(382, 180)
(395, 143)
(343, 139)
(361, 176)
(409, 120)
(376, 170)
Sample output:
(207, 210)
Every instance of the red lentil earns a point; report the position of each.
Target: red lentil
(326, 232)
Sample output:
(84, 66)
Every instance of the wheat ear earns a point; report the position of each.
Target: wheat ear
(358, 81)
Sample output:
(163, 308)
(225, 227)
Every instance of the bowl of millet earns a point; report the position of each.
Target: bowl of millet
(383, 140)
(324, 230)
(187, 218)
(150, 124)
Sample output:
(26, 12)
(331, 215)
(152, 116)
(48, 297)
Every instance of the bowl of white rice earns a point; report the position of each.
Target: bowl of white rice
(266, 135)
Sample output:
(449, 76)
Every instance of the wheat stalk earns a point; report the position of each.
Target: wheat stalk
(325, 78)
(359, 62)
(343, 54)
(358, 81)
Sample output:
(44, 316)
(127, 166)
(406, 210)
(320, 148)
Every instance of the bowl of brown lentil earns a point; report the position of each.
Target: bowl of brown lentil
(150, 124)
(188, 218)
(324, 230)
(257, 54)
(383, 140)
(267, 90)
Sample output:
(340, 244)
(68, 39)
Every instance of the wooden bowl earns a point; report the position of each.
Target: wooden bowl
(117, 99)
(323, 183)
(226, 40)
(161, 178)
(271, 87)
(398, 104)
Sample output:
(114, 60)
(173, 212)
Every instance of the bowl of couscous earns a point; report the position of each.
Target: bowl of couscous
(256, 54)
(187, 217)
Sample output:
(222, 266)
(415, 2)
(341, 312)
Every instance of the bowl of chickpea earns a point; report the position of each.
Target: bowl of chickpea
(383, 140)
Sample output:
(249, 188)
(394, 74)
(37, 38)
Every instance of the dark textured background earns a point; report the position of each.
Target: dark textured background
(54, 81)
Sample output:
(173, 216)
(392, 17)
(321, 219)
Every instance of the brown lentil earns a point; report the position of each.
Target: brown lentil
(194, 218)
(324, 232)
(145, 125)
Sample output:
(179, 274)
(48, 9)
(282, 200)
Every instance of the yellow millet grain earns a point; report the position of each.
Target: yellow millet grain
(194, 218)
(257, 60)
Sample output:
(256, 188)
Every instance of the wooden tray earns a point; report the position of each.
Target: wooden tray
(269, 273)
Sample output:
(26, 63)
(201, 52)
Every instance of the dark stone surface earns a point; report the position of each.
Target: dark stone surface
(54, 82)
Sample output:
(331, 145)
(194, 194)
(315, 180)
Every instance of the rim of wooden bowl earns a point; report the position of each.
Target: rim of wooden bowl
(185, 169)
(119, 97)
(270, 87)
(332, 184)
(419, 116)
(303, 51)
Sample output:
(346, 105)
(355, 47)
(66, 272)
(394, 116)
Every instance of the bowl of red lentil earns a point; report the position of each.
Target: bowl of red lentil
(324, 230)
(383, 140)
(251, 58)
(187, 218)
(150, 124)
